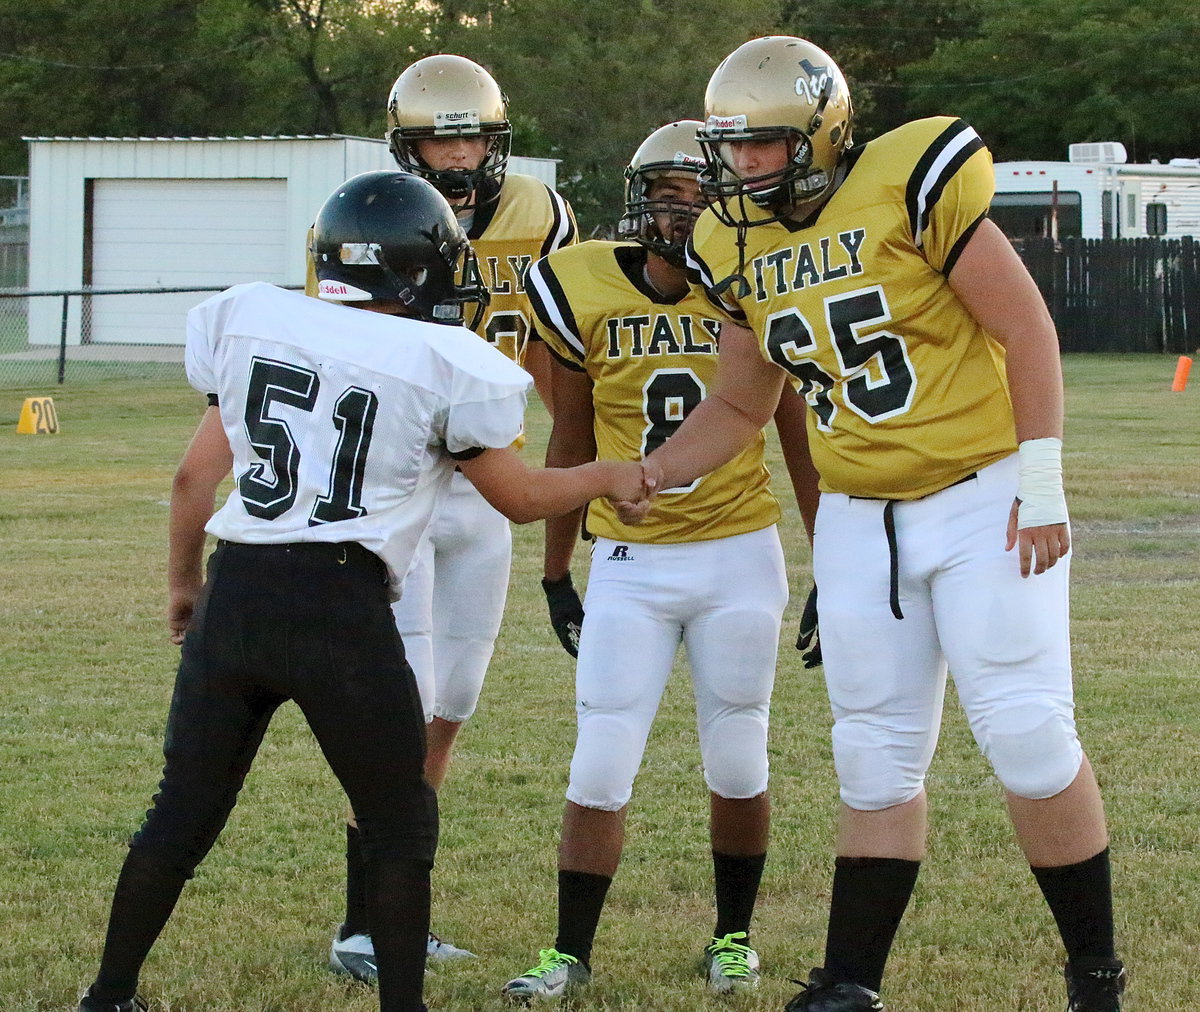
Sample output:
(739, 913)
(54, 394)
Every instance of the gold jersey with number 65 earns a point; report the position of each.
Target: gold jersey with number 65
(908, 393)
(651, 361)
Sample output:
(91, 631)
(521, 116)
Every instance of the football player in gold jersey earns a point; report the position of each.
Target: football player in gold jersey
(874, 277)
(637, 352)
(448, 122)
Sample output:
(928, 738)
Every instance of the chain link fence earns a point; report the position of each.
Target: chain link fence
(62, 337)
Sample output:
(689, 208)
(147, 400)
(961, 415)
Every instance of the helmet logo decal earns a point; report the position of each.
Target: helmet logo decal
(359, 253)
(738, 122)
(683, 158)
(339, 291)
(455, 120)
(813, 87)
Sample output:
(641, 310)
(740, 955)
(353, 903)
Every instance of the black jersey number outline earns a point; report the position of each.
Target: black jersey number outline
(879, 380)
(268, 498)
(668, 397)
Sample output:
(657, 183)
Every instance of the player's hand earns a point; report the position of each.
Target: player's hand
(635, 509)
(180, 605)
(1040, 547)
(566, 612)
(809, 640)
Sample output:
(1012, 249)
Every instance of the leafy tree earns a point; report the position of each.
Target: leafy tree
(1037, 77)
(589, 81)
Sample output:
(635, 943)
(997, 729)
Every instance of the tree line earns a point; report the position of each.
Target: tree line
(588, 79)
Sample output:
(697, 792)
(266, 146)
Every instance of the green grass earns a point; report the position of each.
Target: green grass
(86, 672)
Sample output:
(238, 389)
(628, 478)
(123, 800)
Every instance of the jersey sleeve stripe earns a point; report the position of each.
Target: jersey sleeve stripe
(936, 167)
(562, 231)
(551, 308)
(568, 363)
(959, 245)
(700, 275)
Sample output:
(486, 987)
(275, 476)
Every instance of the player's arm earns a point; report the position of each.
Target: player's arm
(992, 283)
(744, 398)
(538, 363)
(572, 442)
(523, 494)
(204, 466)
(791, 425)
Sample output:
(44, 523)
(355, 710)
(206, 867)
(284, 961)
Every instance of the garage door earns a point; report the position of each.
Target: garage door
(174, 233)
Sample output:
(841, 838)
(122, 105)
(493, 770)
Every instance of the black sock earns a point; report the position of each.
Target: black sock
(870, 895)
(145, 895)
(357, 922)
(736, 878)
(398, 902)
(1080, 898)
(580, 899)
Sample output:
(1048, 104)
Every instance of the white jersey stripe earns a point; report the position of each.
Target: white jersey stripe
(932, 177)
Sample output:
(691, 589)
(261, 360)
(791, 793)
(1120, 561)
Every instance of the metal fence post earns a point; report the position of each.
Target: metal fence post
(62, 341)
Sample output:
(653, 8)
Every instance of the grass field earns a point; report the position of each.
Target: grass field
(86, 673)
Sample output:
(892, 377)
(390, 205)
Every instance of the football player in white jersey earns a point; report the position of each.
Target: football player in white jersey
(873, 276)
(342, 430)
(636, 352)
(448, 123)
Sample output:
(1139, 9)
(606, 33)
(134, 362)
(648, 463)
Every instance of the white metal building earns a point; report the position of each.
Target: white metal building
(174, 212)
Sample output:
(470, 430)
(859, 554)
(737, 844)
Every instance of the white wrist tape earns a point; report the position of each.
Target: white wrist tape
(1040, 483)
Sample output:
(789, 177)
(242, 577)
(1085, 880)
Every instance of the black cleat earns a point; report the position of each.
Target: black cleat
(821, 994)
(1095, 985)
(89, 1004)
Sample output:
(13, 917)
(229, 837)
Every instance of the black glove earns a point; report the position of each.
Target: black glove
(809, 641)
(566, 612)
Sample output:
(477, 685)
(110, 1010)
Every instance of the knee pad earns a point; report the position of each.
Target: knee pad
(735, 760)
(878, 768)
(1033, 749)
(608, 753)
(407, 832)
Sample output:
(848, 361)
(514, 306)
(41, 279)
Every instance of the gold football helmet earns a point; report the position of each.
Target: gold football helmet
(775, 88)
(672, 150)
(450, 96)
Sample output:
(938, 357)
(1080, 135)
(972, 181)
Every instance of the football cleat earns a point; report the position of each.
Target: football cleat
(730, 965)
(821, 994)
(1095, 985)
(555, 975)
(354, 956)
(89, 1004)
(442, 951)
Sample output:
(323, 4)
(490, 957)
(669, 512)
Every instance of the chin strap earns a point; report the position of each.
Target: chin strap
(738, 278)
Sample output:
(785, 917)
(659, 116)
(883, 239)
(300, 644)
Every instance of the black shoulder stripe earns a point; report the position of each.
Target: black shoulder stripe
(562, 231)
(960, 245)
(550, 304)
(935, 168)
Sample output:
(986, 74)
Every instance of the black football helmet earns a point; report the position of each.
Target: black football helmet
(390, 235)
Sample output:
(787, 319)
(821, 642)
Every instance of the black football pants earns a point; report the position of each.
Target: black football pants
(312, 623)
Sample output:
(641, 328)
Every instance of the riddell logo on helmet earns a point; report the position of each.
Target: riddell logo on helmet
(716, 123)
(333, 288)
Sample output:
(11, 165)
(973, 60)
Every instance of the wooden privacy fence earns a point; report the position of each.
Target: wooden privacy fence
(1119, 294)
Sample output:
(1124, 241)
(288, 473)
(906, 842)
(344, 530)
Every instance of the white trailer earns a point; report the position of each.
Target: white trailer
(1096, 194)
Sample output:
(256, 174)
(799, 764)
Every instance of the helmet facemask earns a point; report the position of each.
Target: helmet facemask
(643, 219)
(777, 193)
(481, 184)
